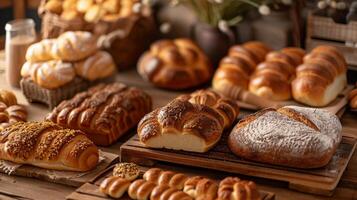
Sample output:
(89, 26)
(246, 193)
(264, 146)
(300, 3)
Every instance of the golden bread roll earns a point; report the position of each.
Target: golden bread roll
(201, 188)
(54, 6)
(47, 145)
(141, 189)
(7, 97)
(353, 98)
(193, 122)
(162, 192)
(169, 178)
(175, 64)
(114, 186)
(129, 171)
(232, 188)
(40, 51)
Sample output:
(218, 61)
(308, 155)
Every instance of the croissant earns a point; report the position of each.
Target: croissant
(201, 188)
(232, 188)
(235, 69)
(97, 66)
(272, 78)
(114, 186)
(321, 77)
(7, 97)
(169, 178)
(47, 145)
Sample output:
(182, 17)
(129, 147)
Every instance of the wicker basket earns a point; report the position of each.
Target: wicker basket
(135, 33)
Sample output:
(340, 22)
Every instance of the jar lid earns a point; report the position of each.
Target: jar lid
(19, 24)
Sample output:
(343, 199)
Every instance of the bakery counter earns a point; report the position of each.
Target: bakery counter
(14, 187)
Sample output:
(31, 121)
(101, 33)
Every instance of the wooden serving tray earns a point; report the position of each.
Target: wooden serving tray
(90, 191)
(70, 178)
(321, 181)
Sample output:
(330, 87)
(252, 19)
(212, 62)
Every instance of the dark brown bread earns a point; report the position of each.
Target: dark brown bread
(104, 112)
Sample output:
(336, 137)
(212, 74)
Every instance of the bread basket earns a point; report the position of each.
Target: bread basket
(125, 38)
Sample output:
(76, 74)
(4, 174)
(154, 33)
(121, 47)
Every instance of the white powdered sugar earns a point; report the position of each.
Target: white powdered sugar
(281, 135)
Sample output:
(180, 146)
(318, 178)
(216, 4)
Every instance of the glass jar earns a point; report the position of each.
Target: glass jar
(20, 34)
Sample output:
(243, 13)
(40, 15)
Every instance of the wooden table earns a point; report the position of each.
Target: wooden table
(12, 187)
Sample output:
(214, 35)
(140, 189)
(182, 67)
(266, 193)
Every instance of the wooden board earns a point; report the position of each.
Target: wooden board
(70, 178)
(90, 191)
(321, 181)
(340, 102)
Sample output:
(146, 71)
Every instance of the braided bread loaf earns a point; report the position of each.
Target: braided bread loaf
(47, 145)
(104, 112)
(193, 122)
(7, 97)
(70, 46)
(168, 178)
(232, 188)
(201, 188)
(176, 64)
(236, 68)
(272, 78)
(321, 78)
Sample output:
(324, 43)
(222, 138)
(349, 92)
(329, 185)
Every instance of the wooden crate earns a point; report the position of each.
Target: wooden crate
(321, 181)
(323, 30)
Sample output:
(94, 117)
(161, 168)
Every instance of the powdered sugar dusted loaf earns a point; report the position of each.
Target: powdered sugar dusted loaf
(290, 136)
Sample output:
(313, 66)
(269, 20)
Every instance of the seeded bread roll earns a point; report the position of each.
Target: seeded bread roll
(129, 171)
(47, 145)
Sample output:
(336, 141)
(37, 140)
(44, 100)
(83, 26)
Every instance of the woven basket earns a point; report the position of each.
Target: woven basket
(135, 33)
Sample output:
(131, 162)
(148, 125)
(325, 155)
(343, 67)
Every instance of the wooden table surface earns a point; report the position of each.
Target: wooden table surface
(12, 187)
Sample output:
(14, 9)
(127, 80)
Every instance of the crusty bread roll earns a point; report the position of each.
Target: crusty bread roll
(175, 64)
(47, 145)
(51, 74)
(105, 112)
(169, 178)
(321, 78)
(97, 66)
(129, 171)
(7, 97)
(235, 69)
(272, 78)
(114, 186)
(193, 122)
(40, 51)
(291, 136)
(11, 114)
(141, 189)
(201, 188)
(232, 188)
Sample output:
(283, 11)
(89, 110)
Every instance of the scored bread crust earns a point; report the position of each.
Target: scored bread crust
(104, 112)
(192, 122)
(291, 136)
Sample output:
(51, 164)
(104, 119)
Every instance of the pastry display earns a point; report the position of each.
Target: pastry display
(128, 171)
(235, 69)
(10, 111)
(353, 98)
(192, 122)
(321, 77)
(290, 136)
(90, 10)
(169, 178)
(104, 112)
(175, 64)
(57, 69)
(272, 78)
(47, 145)
(232, 188)
(201, 188)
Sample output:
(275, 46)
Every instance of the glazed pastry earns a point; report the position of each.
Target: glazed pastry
(290, 136)
(235, 69)
(199, 118)
(272, 78)
(128, 171)
(175, 64)
(232, 188)
(7, 97)
(321, 78)
(201, 188)
(99, 65)
(47, 145)
(51, 74)
(141, 189)
(169, 178)
(114, 186)
(104, 112)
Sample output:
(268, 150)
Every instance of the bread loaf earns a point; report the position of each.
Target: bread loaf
(104, 112)
(291, 136)
(235, 69)
(321, 77)
(169, 178)
(114, 186)
(232, 188)
(47, 145)
(272, 78)
(175, 64)
(193, 122)
(201, 188)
